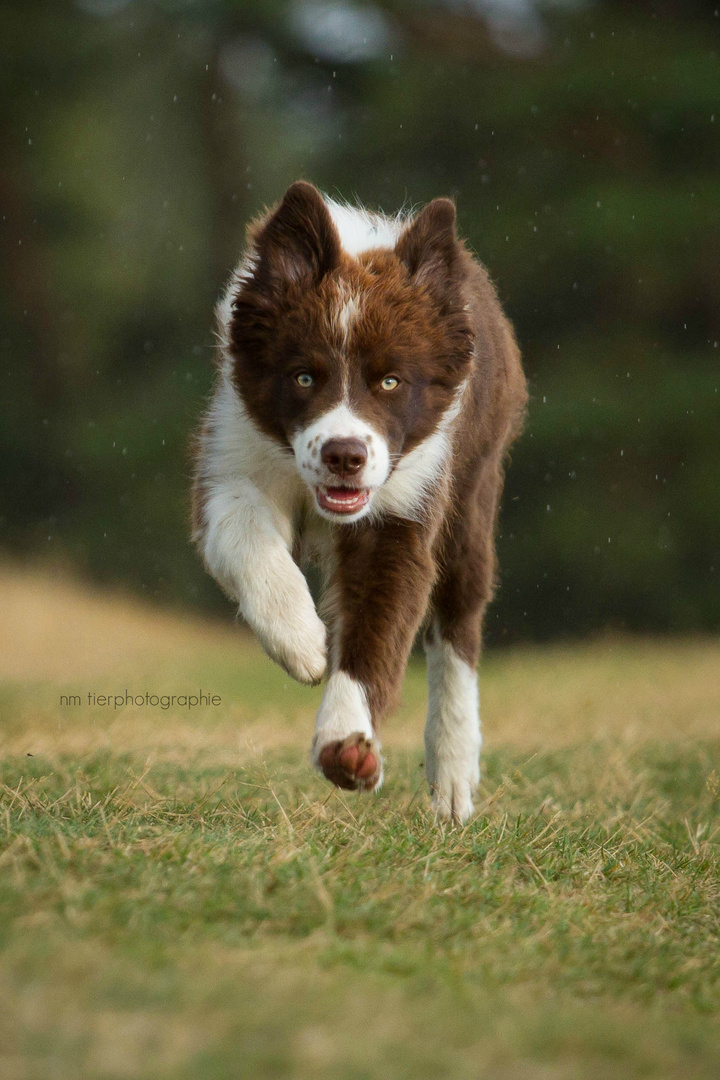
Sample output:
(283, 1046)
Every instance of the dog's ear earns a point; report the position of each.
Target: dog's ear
(299, 242)
(429, 247)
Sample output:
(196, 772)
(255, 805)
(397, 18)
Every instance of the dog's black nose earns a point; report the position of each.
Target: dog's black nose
(344, 457)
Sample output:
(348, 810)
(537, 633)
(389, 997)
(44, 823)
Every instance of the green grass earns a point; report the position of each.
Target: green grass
(181, 899)
(200, 921)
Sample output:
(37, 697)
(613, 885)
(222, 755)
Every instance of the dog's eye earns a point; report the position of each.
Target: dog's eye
(390, 382)
(304, 379)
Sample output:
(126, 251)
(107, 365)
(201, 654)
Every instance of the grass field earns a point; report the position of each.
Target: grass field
(180, 897)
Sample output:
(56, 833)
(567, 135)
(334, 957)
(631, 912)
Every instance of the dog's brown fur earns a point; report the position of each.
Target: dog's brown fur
(430, 314)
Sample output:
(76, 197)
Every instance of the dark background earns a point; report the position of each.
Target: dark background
(581, 143)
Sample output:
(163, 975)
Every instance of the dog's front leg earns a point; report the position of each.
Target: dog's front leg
(246, 543)
(379, 597)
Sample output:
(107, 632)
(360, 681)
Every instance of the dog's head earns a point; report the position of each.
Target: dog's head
(352, 360)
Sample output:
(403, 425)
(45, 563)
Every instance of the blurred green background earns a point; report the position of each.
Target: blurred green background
(581, 143)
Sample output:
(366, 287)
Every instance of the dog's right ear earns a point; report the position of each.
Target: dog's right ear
(298, 243)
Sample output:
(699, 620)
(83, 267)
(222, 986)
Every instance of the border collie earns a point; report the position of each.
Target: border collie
(368, 389)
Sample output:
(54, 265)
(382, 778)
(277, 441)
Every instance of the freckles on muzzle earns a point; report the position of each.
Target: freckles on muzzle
(344, 462)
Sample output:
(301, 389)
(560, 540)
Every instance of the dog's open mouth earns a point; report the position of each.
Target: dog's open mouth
(342, 500)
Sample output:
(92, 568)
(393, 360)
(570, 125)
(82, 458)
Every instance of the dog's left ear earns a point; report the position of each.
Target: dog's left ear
(299, 243)
(429, 247)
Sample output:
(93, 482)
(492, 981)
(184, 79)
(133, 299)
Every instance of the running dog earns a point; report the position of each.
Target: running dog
(368, 389)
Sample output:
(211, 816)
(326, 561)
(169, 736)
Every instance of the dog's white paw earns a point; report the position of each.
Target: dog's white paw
(298, 644)
(276, 602)
(452, 791)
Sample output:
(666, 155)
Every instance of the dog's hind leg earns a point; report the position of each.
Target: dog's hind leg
(380, 594)
(452, 731)
(452, 646)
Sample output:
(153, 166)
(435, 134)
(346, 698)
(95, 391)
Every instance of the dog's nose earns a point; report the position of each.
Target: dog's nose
(344, 457)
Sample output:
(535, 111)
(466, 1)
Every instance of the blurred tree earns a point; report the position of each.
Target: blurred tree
(581, 142)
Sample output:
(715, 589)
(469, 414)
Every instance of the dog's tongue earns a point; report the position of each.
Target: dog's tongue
(342, 500)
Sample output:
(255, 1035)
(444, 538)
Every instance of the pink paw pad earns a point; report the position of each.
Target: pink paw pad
(353, 763)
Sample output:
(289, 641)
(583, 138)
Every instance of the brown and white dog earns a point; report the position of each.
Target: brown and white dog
(369, 386)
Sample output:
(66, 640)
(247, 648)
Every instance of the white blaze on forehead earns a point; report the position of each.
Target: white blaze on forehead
(340, 423)
(342, 318)
(347, 314)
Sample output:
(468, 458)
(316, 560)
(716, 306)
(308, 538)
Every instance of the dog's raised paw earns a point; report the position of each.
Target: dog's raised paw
(299, 649)
(353, 763)
(306, 667)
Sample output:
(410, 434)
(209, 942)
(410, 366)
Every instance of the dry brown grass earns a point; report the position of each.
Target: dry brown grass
(58, 636)
(53, 628)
